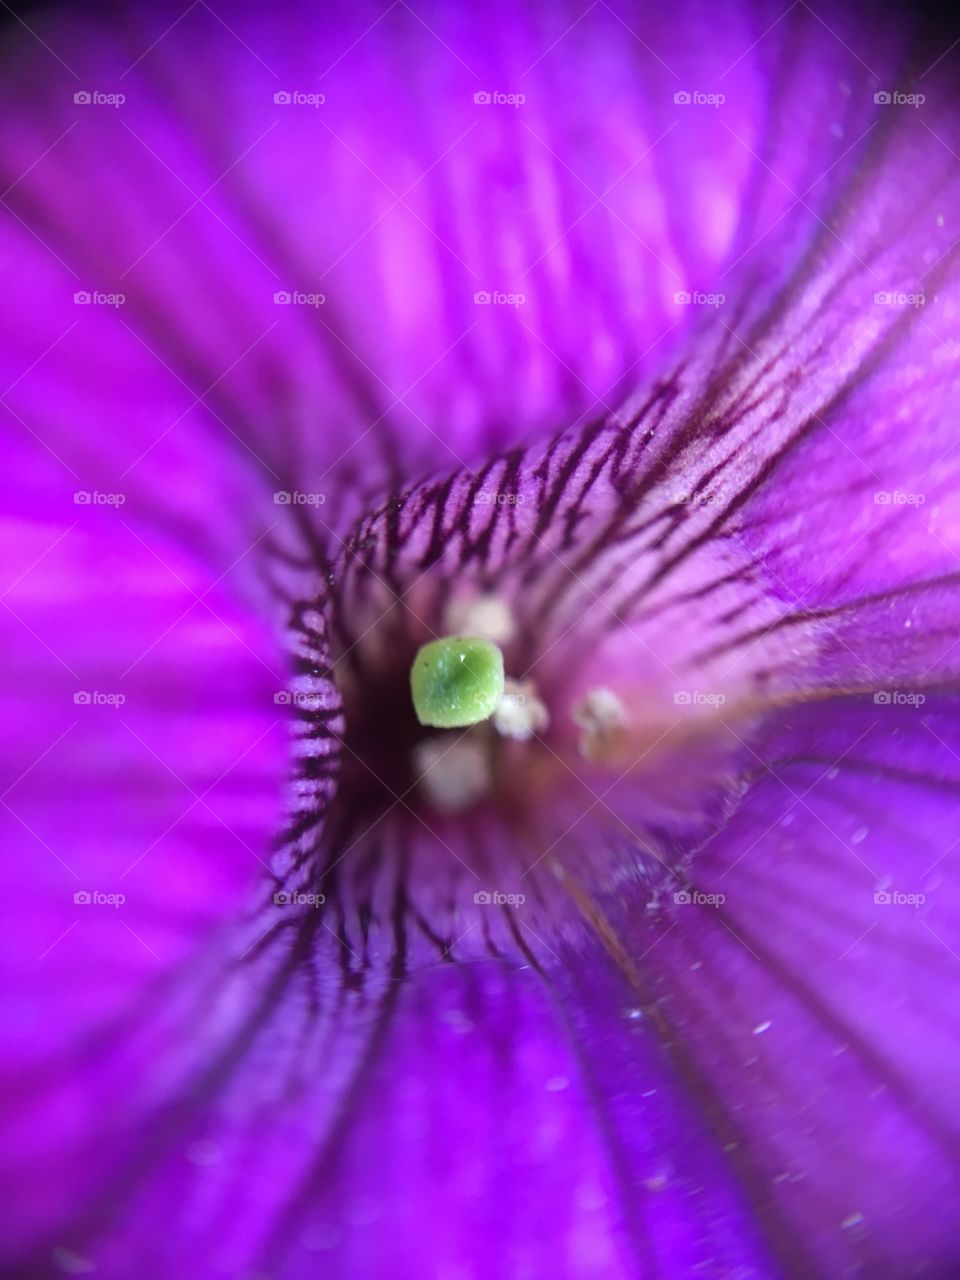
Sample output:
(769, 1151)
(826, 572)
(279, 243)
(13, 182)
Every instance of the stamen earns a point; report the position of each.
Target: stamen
(520, 714)
(454, 774)
(486, 616)
(456, 681)
(602, 717)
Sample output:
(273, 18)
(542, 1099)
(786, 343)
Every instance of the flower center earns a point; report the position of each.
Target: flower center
(519, 718)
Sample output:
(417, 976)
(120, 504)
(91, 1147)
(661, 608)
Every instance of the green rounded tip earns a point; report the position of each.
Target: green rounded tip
(456, 681)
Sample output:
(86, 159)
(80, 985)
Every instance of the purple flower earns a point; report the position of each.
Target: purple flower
(628, 338)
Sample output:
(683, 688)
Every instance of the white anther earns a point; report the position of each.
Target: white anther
(454, 772)
(488, 617)
(520, 714)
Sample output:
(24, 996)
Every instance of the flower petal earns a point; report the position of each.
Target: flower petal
(397, 361)
(282, 1167)
(402, 201)
(810, 971)
(141, 769)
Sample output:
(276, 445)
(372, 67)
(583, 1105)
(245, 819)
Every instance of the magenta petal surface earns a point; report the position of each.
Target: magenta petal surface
(809, 969)
(401, 202)
(642, 321)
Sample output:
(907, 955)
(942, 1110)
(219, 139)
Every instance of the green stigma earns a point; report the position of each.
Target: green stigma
(456, 681)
